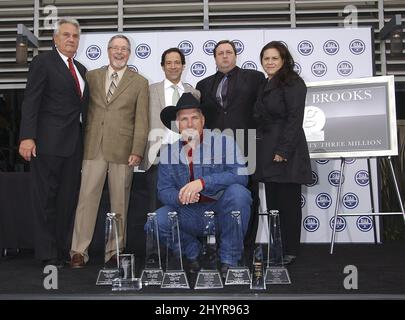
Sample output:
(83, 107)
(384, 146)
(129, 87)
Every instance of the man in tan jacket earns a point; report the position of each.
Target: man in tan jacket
(115, 139)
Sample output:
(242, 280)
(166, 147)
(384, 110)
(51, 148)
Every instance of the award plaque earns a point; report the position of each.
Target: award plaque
(175, 276)
(119, 284)
(152, 275)
(106, 275)
(276, 273)
(208, 277)
(258, 282)
(239, 275)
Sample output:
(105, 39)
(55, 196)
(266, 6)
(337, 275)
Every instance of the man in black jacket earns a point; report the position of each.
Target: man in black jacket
(51, 138)
(232, 91)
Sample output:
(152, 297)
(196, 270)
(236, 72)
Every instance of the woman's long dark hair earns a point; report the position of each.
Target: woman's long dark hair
(286, 73)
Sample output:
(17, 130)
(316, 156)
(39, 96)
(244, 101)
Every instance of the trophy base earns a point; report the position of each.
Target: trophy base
(175, 280)
(208, 279)
(237, 276)
(134, 284)
(152, 277)
(277, 275)
(106, 276)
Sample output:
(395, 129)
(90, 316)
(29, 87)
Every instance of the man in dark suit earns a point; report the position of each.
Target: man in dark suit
(232, 91)
(53, 110)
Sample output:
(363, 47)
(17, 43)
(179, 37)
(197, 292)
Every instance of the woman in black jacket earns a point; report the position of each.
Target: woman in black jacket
(282, 154)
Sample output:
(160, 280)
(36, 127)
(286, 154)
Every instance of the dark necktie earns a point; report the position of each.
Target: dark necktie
(73, 72)
(223, 91)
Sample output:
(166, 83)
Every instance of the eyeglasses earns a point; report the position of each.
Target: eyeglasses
(123, 49)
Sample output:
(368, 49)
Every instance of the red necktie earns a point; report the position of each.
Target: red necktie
(73, 72)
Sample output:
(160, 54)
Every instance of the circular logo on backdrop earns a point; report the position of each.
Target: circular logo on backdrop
(284, 44)
(186, 47)
(297, 68)
(323, 200)
(341, 223)
(357, 46)
(249, 65)
(143, 51)
(311, 223)
(319, 69)
(239, 46)
(198, 69)
(314, 180)
(334, 178)
(350, 160)
(364, 223)
(208, 47)
(305, 47)
(361, 177)
(344, 68)
(322, 161)
(350, 200)
(132, 67)
(303, 201)
(331, 47)
(93, 52)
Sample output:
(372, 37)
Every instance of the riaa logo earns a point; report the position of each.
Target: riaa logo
(350, 200)
(344, 68)
(93, 52)
(331, 47)
(303, 201)
(334, 178)
(341, 223)
(314, 180)
(319, 69)
(239, 46)
(305, 47)
(350, 160)
(323, 200)
(364, 223)
(186, 47)
(361, 177)
(132, 67)
(357, 46)
(322, 161)
(208, 47)
(198, 69)
(249, 65)
(311, 223)
(297, 67)
(143, 51)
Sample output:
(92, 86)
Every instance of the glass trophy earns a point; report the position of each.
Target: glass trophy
(126, 280)
(258, 282)
(208, 277)
(152, 275)
(106, 275)
(276, 273)
(239, 275)
(175, 276)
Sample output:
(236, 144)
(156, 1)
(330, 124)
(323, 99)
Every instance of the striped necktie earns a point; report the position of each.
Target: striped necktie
(113, 86)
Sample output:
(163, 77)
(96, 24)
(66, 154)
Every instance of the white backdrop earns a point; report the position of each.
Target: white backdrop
(320, 54)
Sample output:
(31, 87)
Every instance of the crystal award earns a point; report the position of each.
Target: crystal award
(175, 276)
(152, 275)
(208, 277)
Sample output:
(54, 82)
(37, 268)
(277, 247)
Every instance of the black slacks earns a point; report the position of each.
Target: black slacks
(151, 185)
(286, 198)
(55, 189)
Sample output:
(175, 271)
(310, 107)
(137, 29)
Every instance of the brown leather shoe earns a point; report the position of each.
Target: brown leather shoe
(77, 261)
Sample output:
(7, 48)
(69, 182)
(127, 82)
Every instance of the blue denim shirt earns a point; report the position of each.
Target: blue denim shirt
(217, 160)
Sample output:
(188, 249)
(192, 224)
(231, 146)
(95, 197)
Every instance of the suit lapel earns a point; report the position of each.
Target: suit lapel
(64, 70)
(161, 94)
(127, 78)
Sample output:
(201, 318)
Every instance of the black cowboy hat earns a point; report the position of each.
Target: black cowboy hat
(186, 101)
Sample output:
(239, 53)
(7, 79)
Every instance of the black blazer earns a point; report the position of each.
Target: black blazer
(51, 108)
(279, 114)
(239, 112)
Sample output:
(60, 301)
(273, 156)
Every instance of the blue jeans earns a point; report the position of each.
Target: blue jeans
(235, 198)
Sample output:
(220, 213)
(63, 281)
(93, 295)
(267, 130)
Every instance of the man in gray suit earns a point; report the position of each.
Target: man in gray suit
(162, 94)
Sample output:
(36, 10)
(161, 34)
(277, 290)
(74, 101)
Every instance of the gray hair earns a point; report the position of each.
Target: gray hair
(63, 21)
(120, 36)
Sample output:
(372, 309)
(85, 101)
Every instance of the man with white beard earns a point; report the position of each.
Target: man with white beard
(115, 138)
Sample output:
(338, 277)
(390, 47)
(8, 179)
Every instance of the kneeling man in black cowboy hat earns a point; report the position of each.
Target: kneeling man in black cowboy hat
(203, 171)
